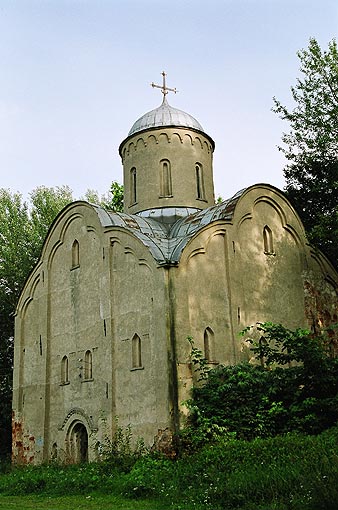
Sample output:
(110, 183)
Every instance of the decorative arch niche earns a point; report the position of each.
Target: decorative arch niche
(133, 186)
(165, 179)
(209, 344)
(200, 194)
(136, 352)
(75, 254)
(88, 365)
(268, 240)
(64, 370)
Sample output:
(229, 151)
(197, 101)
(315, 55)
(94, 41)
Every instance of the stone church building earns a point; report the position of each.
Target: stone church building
(103, 320)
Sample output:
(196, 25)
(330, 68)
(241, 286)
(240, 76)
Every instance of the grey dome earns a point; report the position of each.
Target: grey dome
(165, 115)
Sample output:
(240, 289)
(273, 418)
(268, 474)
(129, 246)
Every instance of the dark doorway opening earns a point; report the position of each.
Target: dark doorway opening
(78, 443)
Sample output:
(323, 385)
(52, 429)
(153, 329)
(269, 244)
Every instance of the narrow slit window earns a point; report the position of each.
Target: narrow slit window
(64, 370)
(209, 344)
(136, 352)
(75, 254)
(133, 196)
(199, 182)
(88, 368)
(268, 240)
(166, 188)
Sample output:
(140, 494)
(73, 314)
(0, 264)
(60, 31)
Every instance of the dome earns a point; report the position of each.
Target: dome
(165, 115)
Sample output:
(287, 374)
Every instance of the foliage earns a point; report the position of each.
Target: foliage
(198, 360)
(316, 203)
(111, 201)
(116, 197)
(265, 400)
(312, 145)
(314, 123)
(281, 345)
(22, 231)
(120, 451)
(290, 472)
(238, 474)
(45, 205)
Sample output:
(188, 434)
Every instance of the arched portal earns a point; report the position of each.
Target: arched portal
(77, 439)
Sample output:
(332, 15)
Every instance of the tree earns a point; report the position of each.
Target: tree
(312, 146)
(116, 197)
(112, 201)
(14, 232)
(46, 203)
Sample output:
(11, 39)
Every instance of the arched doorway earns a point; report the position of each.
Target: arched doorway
(78, 442)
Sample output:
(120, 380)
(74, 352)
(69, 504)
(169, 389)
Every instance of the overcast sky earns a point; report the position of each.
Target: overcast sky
(76, 74)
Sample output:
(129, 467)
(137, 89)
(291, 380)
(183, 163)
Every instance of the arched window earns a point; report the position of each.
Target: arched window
(209, 344)
(75, 254)
(268, 240)
(199, 182)
(136, 353)
(133, 195)
(64, 370)
(165, 178)
(88, 365)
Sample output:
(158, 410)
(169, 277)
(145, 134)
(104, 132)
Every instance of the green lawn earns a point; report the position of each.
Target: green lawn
(92, 502)
(291, 472)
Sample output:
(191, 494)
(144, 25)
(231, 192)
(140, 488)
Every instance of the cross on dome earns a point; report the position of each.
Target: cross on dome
(163, 87)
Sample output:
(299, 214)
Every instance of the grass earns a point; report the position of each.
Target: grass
(78, 502)
(291, 472)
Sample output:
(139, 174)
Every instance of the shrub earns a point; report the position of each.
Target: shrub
(265, 400)
(120, 451)
(287, 472)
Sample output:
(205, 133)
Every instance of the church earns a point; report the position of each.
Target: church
(103, 321)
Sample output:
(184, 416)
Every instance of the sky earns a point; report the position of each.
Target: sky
(75, 75)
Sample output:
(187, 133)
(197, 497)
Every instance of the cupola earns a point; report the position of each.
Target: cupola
(167, 161)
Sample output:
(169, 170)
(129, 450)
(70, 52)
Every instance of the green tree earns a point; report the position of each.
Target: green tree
(14, 233)
(112, 201)
(311, 146)
(45, 204)
(116, 197)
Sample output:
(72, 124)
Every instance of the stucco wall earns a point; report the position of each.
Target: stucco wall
(114, 292)
(134, 317)
(69, 317)
(183, 148)
(29, 389)
(227, 279)
(139, 309)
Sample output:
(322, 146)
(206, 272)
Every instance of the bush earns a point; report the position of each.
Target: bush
(265, 400)
(120, 451)
(289, 472)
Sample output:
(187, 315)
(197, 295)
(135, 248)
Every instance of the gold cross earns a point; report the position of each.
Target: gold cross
(163, 87)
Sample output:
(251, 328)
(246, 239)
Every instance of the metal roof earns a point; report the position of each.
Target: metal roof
(165, 115)
(167, 231)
